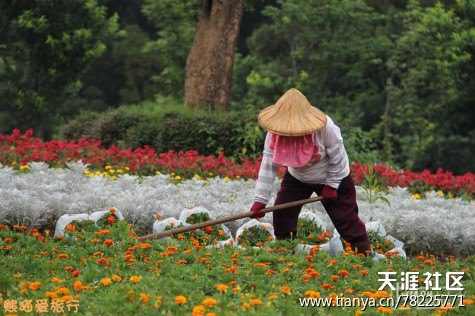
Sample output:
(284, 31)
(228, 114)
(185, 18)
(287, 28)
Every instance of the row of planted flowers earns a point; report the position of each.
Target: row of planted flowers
(18, 150)
(98, 265)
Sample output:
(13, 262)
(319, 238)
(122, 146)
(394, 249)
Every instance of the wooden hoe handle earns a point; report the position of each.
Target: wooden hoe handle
(183, 229)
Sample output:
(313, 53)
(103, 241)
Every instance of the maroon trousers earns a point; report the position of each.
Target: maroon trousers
(343, 212)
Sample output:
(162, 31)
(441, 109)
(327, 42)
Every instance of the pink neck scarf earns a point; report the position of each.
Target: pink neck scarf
(292, 151)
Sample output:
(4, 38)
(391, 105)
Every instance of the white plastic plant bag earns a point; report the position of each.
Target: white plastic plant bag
(397, 250)
(253, 222)
(159, 226)
(96, 216)
(67, 219)
(305, 247)
(186, 213)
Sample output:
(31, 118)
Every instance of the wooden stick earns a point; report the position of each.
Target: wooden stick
(183, 229)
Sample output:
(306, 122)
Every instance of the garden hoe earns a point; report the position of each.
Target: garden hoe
(226, 219)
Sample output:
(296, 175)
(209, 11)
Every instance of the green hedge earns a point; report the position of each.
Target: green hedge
(235, 133)
(172, 127)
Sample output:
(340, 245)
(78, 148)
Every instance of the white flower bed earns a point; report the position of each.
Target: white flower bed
(45, 194)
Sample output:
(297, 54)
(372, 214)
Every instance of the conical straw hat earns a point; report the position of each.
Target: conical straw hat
(292, 115)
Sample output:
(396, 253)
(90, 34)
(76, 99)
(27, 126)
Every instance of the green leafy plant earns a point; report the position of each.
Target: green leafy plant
(310, 233)
(379, 243)
(255, 236)
(215, 233)
(374, 191)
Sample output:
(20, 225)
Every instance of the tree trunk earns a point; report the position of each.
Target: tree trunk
(209, 66)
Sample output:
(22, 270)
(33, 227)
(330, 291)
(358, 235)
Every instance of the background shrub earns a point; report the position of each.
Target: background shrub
(166, 126)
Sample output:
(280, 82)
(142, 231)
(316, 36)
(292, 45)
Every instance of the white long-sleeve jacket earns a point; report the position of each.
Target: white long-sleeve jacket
(330, 169)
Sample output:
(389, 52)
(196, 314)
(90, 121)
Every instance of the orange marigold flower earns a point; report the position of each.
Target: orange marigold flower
(112, 210)
(62, 290)
(3, 226)
(111, 219)
(108, 242)
(180, 299)
(326, 234)
(116, 278)
(343, 272)
(63, 256)
(357, 266)
(285, 289)
(256, 302)
(246, 305)
(209, 301)
(364, 272)
(334, 277)
(8, 240)
(312, 294)
(106, 281)
(198, 310)
(144, 298)
(78, 285)
(34, 285)
(68, 268)
(332, 262)
(51, 294)
(103, 261)
(326, 286)
(208, 229)
(76, 273)
(222, 287)
(134, 279)
(270, 272)
(71, 227)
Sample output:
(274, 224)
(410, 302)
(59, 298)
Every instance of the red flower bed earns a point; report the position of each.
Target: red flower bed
(443, 181)
(16, 150)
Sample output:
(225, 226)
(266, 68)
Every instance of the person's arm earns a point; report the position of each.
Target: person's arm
(266, 175)
(338, 158)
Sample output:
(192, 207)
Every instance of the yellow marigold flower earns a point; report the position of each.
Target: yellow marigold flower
(209, 301)
(180, 299)
(416, 196)
(106, 281)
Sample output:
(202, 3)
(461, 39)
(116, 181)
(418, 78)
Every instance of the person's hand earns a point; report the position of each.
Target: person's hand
(329, 194)
(256, 207)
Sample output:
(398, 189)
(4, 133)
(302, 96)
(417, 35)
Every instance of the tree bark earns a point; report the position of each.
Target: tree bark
(209, 66)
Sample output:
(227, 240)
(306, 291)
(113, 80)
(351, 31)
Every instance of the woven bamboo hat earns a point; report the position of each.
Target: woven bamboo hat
(292, 115)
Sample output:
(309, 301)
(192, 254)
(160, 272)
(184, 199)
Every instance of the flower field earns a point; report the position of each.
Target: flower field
(103, 268)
